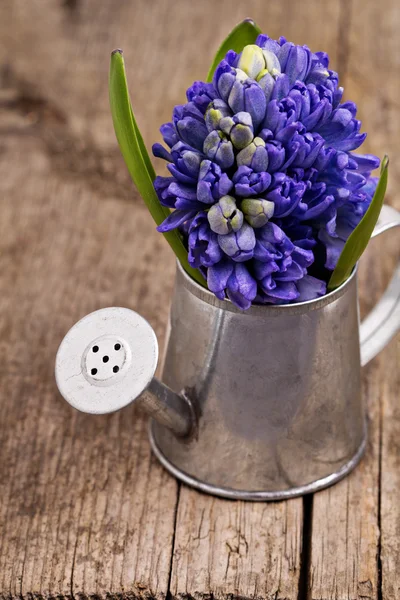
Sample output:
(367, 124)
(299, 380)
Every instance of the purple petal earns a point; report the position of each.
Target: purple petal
(238, 245)
(183, 191)
(282, 293)
(292, 273)
(333, 246)
(178, 217)
(236, 97)
(255, 103)
(259, 162)
(225, 156)
(320, 207)
(204, 192)
(241, 287)
(351, 143)
(192, 132)
(185, 204)
(169, 134)
(218, 275)
(298, 63)
(181, 177)
(309, 288)
(224, 186)
(160, 152)
(282, 87)
(224, 78)
(239, 300)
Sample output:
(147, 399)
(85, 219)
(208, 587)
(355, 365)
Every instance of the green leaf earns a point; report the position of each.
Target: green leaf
(243, 34)
(359, 238)
(137, 159)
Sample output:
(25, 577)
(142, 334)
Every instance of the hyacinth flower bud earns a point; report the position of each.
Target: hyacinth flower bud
(255, 156)
(189, 123)
(224, 77)
(251, 60)
(225, 216)
(255, 62)
(239, 245)
(218, 147)
(217, 110)
(296, 61)
(267, 77)
(257, 211)
(318, 75)
(261, 65)
(266, 83)
(272, 63)
(240, 91)
(249, 184)
(203, 246)
(212, 183)
(239, 128)
(201, 94)
(246, 95)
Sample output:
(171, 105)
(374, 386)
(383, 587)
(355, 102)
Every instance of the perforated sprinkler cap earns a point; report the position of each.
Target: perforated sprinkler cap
(106, 360)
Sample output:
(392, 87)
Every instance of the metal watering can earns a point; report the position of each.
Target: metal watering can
(257, 405)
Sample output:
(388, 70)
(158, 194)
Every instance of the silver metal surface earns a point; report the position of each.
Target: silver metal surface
(108, 360)
(169, 409)
(383, 322)
(259, 496)
(277, 388)
(271, 405)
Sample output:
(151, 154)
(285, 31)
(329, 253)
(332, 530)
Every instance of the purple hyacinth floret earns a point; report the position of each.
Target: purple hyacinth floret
(265, 184)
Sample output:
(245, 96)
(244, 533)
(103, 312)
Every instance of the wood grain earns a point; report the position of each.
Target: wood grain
(85, 511)
(351, 520)
(82, 500)
(345, 533)
(223, 547)
(390, 474)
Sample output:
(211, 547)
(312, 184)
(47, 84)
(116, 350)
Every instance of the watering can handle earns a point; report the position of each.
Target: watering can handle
(383, 322)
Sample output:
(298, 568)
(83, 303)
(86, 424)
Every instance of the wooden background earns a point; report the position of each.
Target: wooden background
(85, 511)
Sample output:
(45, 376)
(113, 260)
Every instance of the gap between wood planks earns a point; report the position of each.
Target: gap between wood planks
(178, 495)
(379, 515)
(306, 548)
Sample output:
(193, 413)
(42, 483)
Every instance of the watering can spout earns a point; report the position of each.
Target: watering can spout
(108, 360)
(174, 411)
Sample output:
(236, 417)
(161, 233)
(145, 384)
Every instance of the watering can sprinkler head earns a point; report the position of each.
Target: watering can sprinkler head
(108, 359)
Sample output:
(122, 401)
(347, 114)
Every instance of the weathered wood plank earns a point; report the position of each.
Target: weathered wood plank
(385, 107)
(243, 549)
(390, 474)
(166, 46)
(84, 508)
(345, 532)
(347, 518)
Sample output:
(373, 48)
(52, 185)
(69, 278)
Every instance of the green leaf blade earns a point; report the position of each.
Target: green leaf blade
(137, 159)
(129, 138)
(359, 238)
(243, 34)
